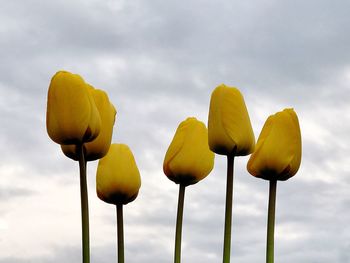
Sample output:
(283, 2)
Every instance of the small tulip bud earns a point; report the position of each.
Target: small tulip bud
(72, 116)
(97, 148)
(229, 128)
(188, 159)
(118, 179)
(278, 151)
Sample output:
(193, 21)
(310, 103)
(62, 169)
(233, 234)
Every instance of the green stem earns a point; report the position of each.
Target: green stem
(84, 205)
(271, 222)
(120, 233)
(180, 209)
(228, 209)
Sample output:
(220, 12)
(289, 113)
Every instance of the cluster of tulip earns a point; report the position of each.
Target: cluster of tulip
(81, 118)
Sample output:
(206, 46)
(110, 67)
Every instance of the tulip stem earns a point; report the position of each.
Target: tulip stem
(228, 209)
(178, 233)
(84, 205)
(120, 233)
(271, 222)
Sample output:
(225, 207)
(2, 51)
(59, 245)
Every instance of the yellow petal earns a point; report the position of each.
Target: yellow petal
(71, 151)
(98, 147)
(278, 151)
(94, 127)
(71, 117)
(118, 179)
(188, 158)
(229, 127)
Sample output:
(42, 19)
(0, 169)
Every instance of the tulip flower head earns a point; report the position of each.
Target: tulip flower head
(188, 158)
(118, 179)
(72, 116)
(97, 148)
(229, 127)
(278, 151)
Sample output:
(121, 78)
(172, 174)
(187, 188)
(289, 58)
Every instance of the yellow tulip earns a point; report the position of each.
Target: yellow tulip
(97, 148)
(278, 151)
(118, 179)
(189, 159)
(229, 128)
(72, 116)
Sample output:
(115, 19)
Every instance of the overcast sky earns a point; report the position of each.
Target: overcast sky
(159, 62)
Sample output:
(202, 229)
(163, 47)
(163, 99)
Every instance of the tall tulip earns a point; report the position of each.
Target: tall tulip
(277, 157)
(187, 161)
(72, 118)
(229, 129)
(118, 182)
(97, 148)
(229, 133)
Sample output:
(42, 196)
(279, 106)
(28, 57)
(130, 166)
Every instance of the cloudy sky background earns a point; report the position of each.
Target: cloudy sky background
(159, 62)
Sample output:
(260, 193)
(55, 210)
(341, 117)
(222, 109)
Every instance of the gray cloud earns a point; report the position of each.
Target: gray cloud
(6, 193)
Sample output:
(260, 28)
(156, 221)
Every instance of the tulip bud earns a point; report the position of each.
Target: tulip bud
(229, 128)
(97, 148)
(72, 116)
(118, 179)
(188, 159)
(278, 151)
